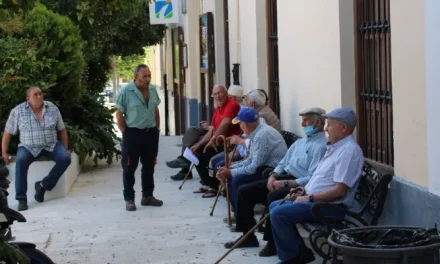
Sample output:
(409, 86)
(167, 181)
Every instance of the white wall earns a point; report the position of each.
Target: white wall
(409, 92)
(432, 44)
(252, 42)
(316, 60)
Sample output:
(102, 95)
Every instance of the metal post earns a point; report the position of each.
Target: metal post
(114, 79)
(167, 115)
(236, 73)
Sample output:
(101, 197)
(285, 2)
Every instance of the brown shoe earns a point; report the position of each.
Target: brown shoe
(233, 220)
(151, 201)
(130, 206)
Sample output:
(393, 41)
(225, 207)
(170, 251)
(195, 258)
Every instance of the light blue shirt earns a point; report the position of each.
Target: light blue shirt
(267, 148)
(303, 157)
(342, 163)
(138, 112)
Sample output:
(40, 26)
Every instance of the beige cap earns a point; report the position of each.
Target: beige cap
(235, 90)
(313, 111)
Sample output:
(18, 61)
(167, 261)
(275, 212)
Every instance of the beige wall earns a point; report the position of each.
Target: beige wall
(409, 90)
(316, 60)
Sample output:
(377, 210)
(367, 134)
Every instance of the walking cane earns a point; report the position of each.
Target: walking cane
(250, 232)
(186, 176)
(221, 186)
(227, 164)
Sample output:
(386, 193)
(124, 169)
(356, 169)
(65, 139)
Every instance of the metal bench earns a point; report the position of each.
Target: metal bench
(371, 195)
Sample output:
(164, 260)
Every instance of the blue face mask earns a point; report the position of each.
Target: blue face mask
(310, 130)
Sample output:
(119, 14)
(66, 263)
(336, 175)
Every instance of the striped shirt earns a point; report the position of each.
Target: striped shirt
(267, 148)
(303, 157)
(342, 163)
(35, 135)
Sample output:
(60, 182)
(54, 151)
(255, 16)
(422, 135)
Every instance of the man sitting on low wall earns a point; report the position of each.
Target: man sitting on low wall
(39, 124)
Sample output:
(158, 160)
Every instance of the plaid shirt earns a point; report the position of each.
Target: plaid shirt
(35, 135)
(267, 148)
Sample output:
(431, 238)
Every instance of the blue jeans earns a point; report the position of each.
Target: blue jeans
(219, 161)
(24, 159)
(235, 183)
(284, 219)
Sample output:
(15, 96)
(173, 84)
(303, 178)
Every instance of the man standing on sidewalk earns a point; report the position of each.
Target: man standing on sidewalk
(39, 124)
(138, 119)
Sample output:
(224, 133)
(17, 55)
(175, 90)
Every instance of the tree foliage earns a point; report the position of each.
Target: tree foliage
(41, 47)
(58, 39)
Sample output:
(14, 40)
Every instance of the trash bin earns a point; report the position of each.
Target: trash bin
(387, 245)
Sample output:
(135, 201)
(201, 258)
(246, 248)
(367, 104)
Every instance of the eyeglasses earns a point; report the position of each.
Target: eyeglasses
(217, 93)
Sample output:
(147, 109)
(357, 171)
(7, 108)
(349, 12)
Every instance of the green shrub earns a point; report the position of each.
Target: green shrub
(58, 38)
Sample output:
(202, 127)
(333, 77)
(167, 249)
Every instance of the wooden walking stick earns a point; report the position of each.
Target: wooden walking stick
(227, 164)
(186, 176)
(220, 189)
(243, 238)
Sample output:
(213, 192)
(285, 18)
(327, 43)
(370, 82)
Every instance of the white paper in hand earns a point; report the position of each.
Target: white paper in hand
(190, 156)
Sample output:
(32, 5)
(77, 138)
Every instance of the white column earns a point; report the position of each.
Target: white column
(432, 58)
(192, 42)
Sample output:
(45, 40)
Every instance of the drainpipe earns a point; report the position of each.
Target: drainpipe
(236, 66)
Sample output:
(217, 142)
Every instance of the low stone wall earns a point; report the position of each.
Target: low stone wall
(410, 205)
(37, 171)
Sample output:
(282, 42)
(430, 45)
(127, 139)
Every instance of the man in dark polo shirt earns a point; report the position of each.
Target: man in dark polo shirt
(138, 119)
(221, 124)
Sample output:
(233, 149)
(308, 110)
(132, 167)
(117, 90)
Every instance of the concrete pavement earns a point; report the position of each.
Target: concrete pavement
(91, 225)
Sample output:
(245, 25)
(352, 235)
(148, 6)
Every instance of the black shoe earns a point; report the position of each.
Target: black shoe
(269, 250)
(250, 241)
(130, 206)
(305, 256)
(39, 192)
(179, 163)
(181, 175)
(22, 205)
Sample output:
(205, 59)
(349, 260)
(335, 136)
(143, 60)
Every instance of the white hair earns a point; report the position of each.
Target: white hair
(257, 97)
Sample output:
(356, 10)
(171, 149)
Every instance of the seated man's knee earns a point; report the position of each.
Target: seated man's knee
(273, 204)
(266, 173)
(63, 158)
(235, 180)
(243, 191)
(23, 158)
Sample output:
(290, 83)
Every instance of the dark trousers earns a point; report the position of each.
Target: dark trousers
(203, 170)
(192, 136)
(24, 159)
(256, 193)
(138, 144)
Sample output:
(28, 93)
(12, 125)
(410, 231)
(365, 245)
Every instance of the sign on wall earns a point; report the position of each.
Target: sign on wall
(165, 11)
(204, 41)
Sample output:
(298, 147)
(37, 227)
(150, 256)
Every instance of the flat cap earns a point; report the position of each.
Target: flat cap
(344, 115)
(313, 111)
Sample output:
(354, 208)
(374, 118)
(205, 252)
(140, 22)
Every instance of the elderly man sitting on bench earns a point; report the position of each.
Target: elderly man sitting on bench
(335, 181)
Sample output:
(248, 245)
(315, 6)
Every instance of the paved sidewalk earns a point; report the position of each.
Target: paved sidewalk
(92, 226)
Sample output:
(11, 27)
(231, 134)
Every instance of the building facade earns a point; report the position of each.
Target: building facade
(362, 54)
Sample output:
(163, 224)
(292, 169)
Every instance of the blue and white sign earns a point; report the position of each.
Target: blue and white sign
(165, 11)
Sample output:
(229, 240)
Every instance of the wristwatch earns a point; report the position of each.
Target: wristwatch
(286, 184)
(311, 198)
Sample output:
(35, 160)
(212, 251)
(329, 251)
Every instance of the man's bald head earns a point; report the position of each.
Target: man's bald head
(219, 87)
(220, 94)
(34, 97)
(29, 90)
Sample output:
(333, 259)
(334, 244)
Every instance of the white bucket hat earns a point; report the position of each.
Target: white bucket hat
(235, 90)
